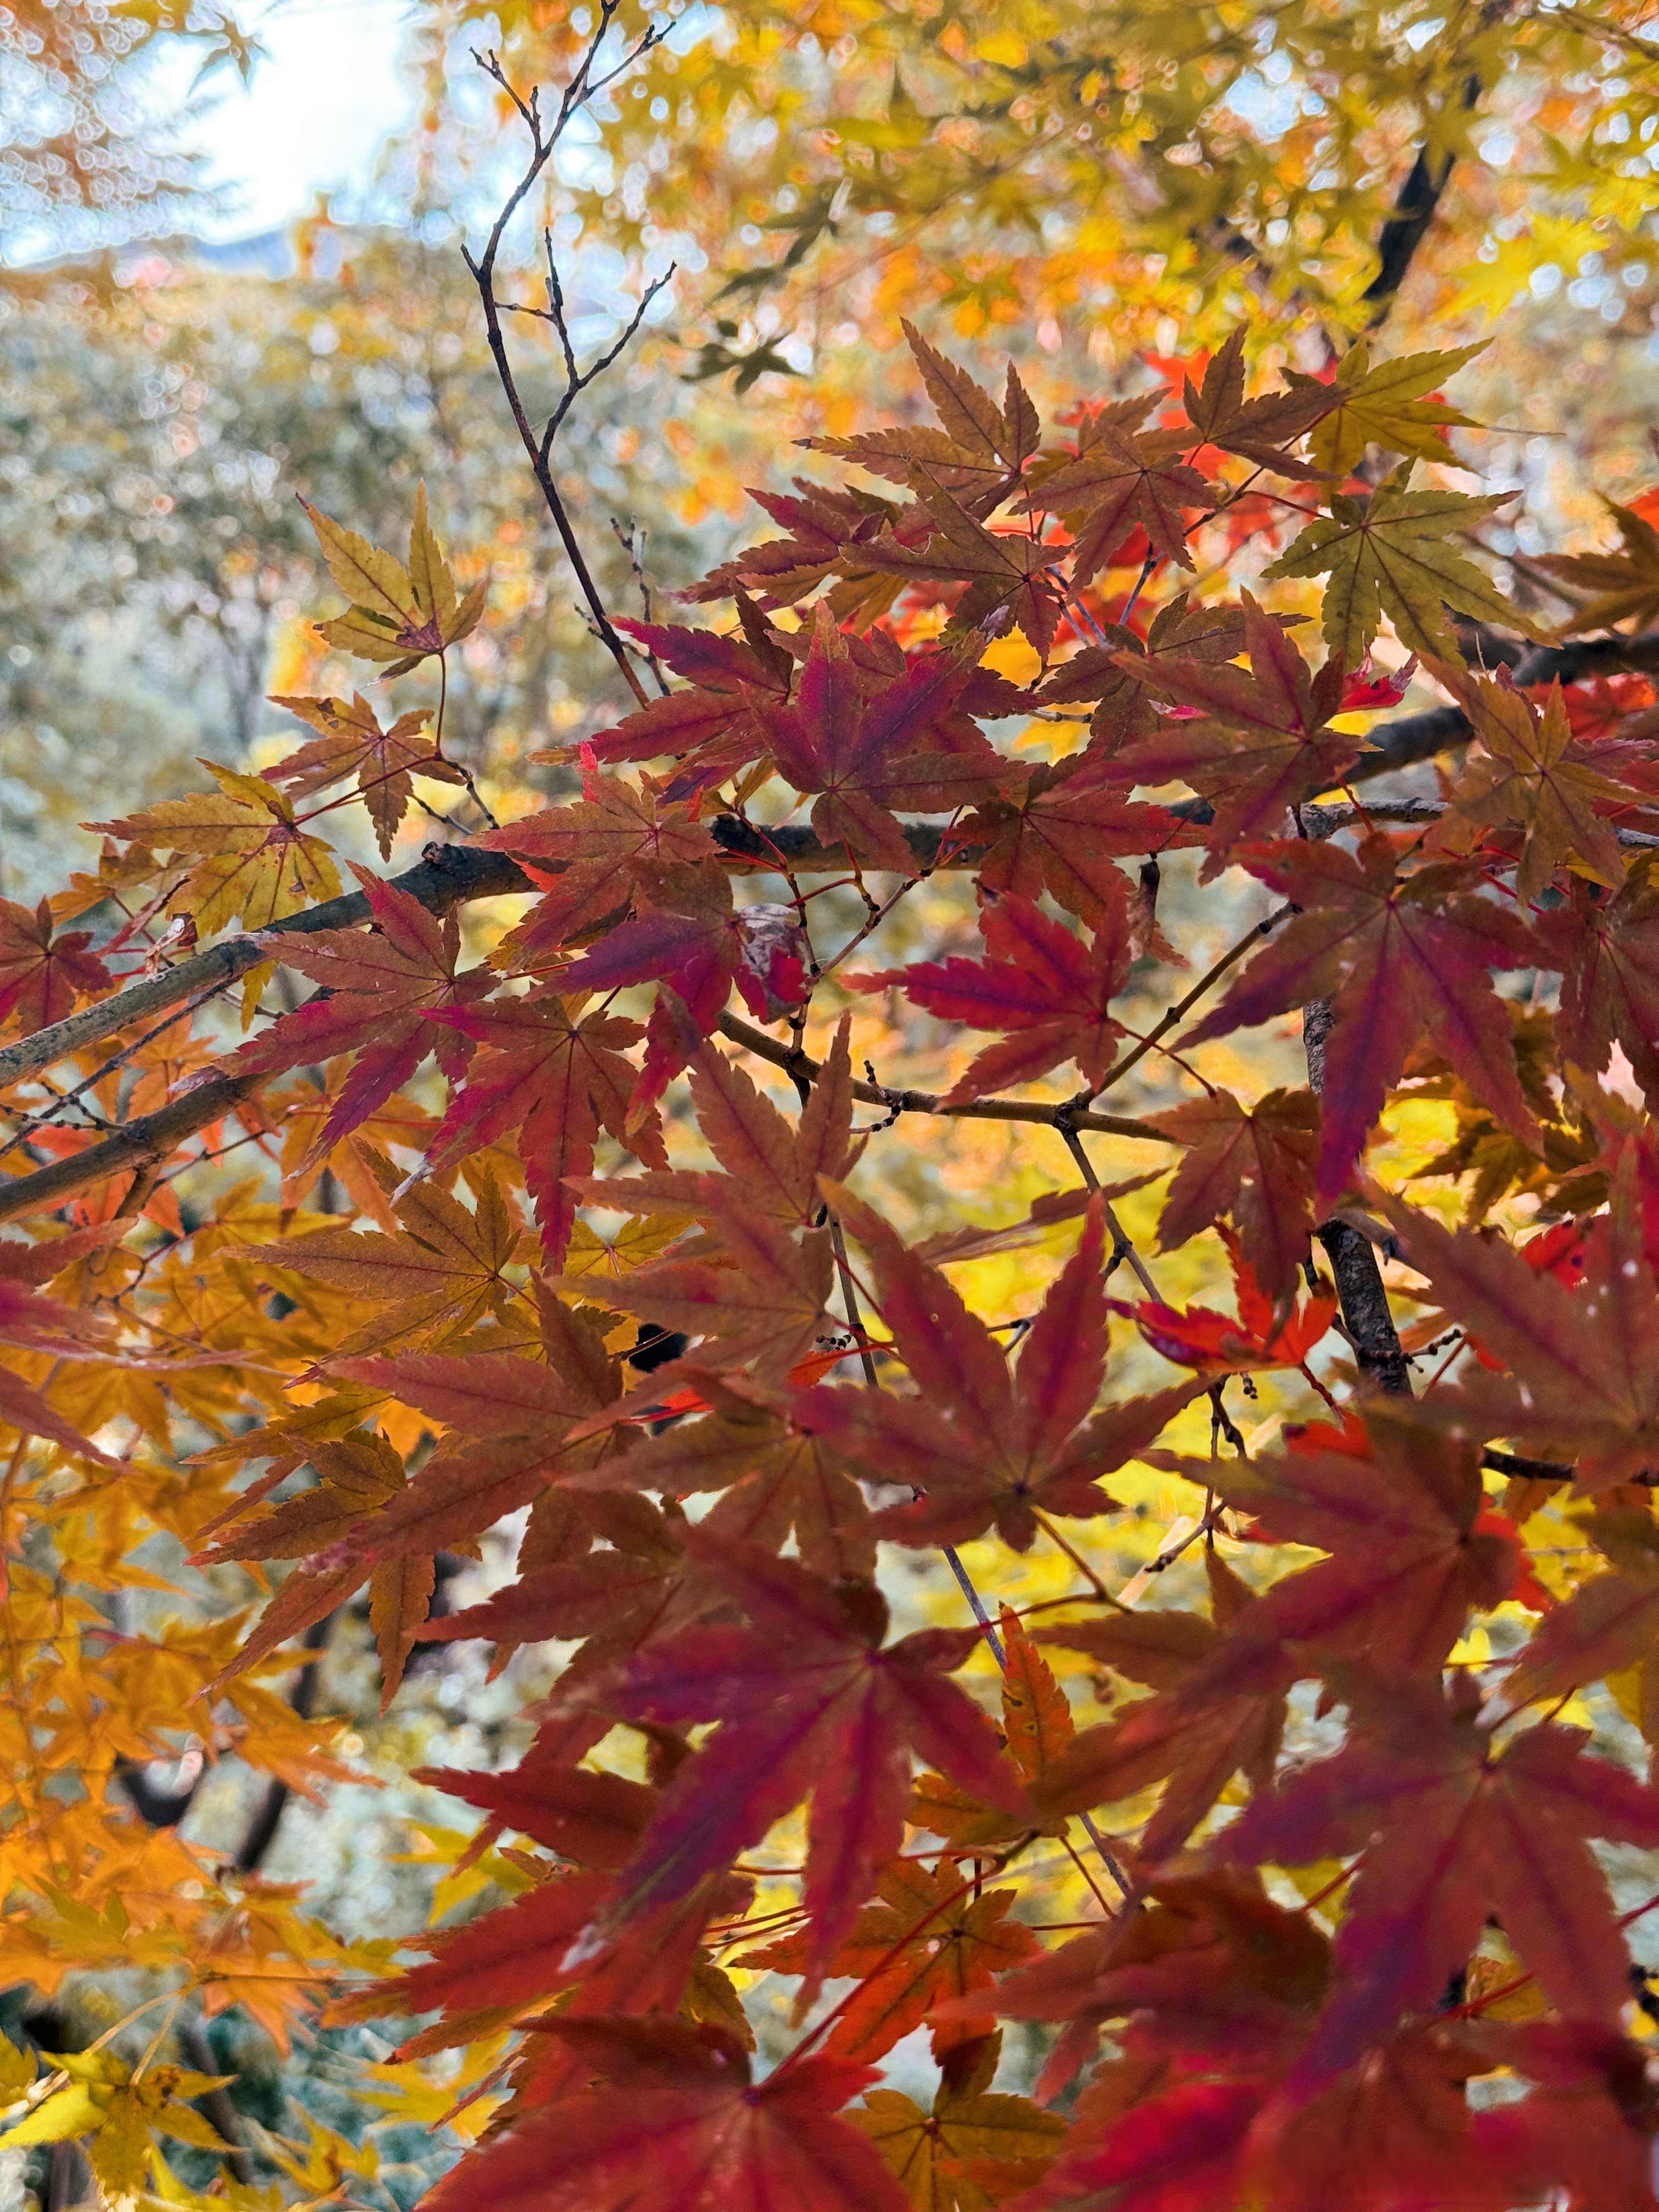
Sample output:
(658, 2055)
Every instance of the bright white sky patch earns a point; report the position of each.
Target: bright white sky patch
(313, 119)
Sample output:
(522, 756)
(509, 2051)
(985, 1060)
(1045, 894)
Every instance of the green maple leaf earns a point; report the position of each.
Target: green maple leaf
(1390, 555)
(1386, 406)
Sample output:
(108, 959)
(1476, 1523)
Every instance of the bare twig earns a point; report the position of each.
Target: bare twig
(544, 137)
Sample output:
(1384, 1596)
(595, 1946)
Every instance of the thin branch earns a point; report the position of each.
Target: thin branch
(544, 139)
(802, 1065)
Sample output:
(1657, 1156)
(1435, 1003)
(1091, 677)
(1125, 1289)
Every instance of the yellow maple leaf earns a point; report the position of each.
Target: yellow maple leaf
(252, 860)
(397, 614)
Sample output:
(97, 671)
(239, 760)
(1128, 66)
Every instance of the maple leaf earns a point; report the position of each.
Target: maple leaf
(617, 1602)
(1397, 2131)
(1114, 672)
(1064, 833)
(770, 1167)
(1116, 481)
(1400, 1509)
(511, 1421)
(588, 855)
(1263, 1336)
(1262, 429)
(1585, 1362)
(974, 2147)
(117, 2114)
(360, 1474)
(1039, 981)
(32, 1321)
(987, 1446)
(1397, 957)
(690, 944)
(1037, 1716)
(1255, 1165)
(1623, 587)
(1453, 1827)
(1260, 745)
(1177, 2152)
(999, 568)
(674, 2124)
(1384, 406)
(446, 1269)
(1209, 1964)
(1527, 775)
(532, 1950)
(352, 743)
(1202, 1726)
(1607, 952)
(554, 1080)
(857, 745)
(766, 1306)
(397, 614)
(829, 531)
(931, 1938)
(42, 977)
(1390, 554)
(1611, 1622)
(593, 1818)
(775, 1475)
(980, 448)
(378, 988)
(715, 728)
(810, 1703)
(250, 858)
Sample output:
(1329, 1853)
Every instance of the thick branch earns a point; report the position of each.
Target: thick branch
(447, 876)
(1420, 736)
(1376, 1346)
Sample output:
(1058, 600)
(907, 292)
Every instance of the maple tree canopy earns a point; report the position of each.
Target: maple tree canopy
(1010, 1235)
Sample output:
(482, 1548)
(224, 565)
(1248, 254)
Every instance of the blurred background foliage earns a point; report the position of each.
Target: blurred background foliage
(1082, 186)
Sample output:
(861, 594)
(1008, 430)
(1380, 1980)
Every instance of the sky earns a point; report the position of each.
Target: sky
(311, 119)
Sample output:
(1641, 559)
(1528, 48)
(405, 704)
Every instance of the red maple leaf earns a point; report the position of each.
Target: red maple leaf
(1454, 1827)
(770, 1167)
(694, 947)
(1584, 1380)
(765, 1307)
(1260, 743)
(934, 1937)
(589, 856)
(1001, 568)
(509, 1421)
(715, 728)
(809, 1702)
(1063, 834)
(1256, 1165)
(1118, 479)
(1210, 1972)
(777, 1475)
(1205, 1725)
(41, 975)
(552, 1080)
(988, 1446)
(1399, 957)
(668, 2120)
(1413, 1546)
(1041, 982)
(1607, 951)
(1216, 1344)
(855, 739)
(379, 988)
